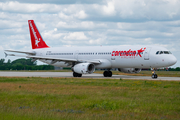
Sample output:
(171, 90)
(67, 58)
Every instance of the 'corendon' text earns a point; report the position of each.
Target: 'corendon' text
(33, 31)
(128, 53)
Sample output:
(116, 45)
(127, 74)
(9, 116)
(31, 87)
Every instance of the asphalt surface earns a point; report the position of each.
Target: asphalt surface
(69, 74)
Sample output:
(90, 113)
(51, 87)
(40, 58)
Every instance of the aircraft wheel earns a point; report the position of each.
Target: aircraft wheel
(154, 76)
(76, 74)
(79, 75)
(107, 74)
(110, 74)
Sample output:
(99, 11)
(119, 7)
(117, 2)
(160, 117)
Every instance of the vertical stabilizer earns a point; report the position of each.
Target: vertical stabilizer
(36, 39)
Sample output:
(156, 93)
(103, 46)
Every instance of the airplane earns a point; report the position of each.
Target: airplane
(84, 60)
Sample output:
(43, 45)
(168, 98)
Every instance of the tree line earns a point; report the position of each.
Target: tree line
(174, 69)
(23, 64)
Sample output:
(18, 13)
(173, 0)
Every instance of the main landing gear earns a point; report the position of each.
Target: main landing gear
(107, 74)
(154, 75)
(76, 74)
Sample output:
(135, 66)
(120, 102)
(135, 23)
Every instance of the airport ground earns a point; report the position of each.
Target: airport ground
(163, 75)
(87, 98)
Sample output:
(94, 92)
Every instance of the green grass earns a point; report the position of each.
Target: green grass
(78, 98)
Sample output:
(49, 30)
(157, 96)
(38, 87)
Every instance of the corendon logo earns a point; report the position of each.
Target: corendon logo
(34, 33)
(128, 53)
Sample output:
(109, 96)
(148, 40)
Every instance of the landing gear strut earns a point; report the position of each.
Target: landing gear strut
(154, 75)
(76, 74)
(107, 74)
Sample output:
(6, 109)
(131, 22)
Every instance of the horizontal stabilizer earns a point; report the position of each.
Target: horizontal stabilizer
(13, 55)
(25, 52)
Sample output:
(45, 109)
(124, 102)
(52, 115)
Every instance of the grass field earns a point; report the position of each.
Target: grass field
(88, 99)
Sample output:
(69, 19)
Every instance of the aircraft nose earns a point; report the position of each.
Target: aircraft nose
(172, 60)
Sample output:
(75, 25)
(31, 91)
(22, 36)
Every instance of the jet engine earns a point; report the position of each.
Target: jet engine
(129, 70)
(84, 68)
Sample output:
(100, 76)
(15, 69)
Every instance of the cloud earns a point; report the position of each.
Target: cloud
(59, 1)
(75, 36)
(90, 22)
(14, 6)
(109, 9)
(99, 41)
(81, 15)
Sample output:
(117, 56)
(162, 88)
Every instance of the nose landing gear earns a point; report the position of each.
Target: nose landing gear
(154, 75)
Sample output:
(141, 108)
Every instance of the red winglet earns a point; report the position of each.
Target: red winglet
(36, 39)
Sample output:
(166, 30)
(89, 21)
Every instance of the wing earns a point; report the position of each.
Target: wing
(53, 59)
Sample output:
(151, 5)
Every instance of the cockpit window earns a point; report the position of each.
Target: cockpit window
(163, 52)
(166, 52)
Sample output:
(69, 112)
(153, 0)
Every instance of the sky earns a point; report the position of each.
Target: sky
(91, 23)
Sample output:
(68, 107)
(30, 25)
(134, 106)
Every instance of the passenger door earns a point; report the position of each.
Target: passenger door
(76, 54)
(146, 53)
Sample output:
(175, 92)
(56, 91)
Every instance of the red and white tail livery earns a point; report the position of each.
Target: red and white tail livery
(84, 60)
(36, 39)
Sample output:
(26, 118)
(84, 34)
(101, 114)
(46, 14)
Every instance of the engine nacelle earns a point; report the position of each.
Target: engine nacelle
(129, 70)
(84, 68)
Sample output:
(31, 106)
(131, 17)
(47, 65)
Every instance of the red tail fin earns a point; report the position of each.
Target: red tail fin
(36, 39)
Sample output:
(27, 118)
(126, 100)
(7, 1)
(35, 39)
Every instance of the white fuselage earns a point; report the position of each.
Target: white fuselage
(112, 56)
